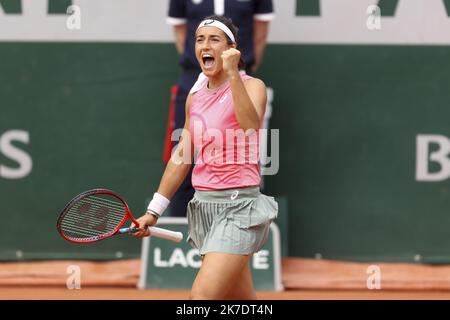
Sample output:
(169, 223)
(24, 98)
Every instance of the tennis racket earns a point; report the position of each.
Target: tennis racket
(98, 214)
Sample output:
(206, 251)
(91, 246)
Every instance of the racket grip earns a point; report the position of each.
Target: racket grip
(166, 234)
(157, 232)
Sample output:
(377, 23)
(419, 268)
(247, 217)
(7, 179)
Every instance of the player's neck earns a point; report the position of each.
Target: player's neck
(216, 81)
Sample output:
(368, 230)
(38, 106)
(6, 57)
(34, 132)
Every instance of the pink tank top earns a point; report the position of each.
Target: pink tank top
(225, 157)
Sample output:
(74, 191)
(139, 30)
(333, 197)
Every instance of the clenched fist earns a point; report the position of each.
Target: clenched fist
(231, 58)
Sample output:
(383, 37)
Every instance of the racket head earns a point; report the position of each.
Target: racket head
(92, 216)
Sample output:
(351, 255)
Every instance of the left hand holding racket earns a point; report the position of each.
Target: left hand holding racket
(147, 220)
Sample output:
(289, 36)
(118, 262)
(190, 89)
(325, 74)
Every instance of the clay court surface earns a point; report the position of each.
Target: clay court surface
(44, 293)
(303, 279)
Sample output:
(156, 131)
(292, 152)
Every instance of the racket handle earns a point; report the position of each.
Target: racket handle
(166, 234)
(157, 232)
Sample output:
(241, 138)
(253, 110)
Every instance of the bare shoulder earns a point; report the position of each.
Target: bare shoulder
(256, 85)
(257, 92)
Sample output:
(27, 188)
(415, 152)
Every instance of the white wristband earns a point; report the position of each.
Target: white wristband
(158, 204)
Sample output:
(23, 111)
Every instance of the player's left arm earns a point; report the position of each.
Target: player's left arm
(249, 97)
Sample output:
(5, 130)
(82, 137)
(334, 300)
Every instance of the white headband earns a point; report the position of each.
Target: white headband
(217, 24)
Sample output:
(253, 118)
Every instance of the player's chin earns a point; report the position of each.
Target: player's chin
(210, 72)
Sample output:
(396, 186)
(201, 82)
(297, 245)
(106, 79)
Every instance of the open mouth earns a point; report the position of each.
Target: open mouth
(208, 60)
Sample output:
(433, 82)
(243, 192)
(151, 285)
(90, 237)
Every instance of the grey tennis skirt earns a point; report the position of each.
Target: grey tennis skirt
(231, 221)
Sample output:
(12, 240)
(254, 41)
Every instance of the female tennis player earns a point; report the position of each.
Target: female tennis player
(228, 216)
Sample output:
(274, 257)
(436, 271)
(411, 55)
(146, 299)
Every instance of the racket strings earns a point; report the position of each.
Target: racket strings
(92, 216)
(97, 211)
(87, 226)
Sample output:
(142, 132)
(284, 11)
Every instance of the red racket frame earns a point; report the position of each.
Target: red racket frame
(88, 193)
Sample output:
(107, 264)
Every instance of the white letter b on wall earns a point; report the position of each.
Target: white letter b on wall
(440, 156)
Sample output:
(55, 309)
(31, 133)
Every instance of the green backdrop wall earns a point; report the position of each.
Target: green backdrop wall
(96, 117)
